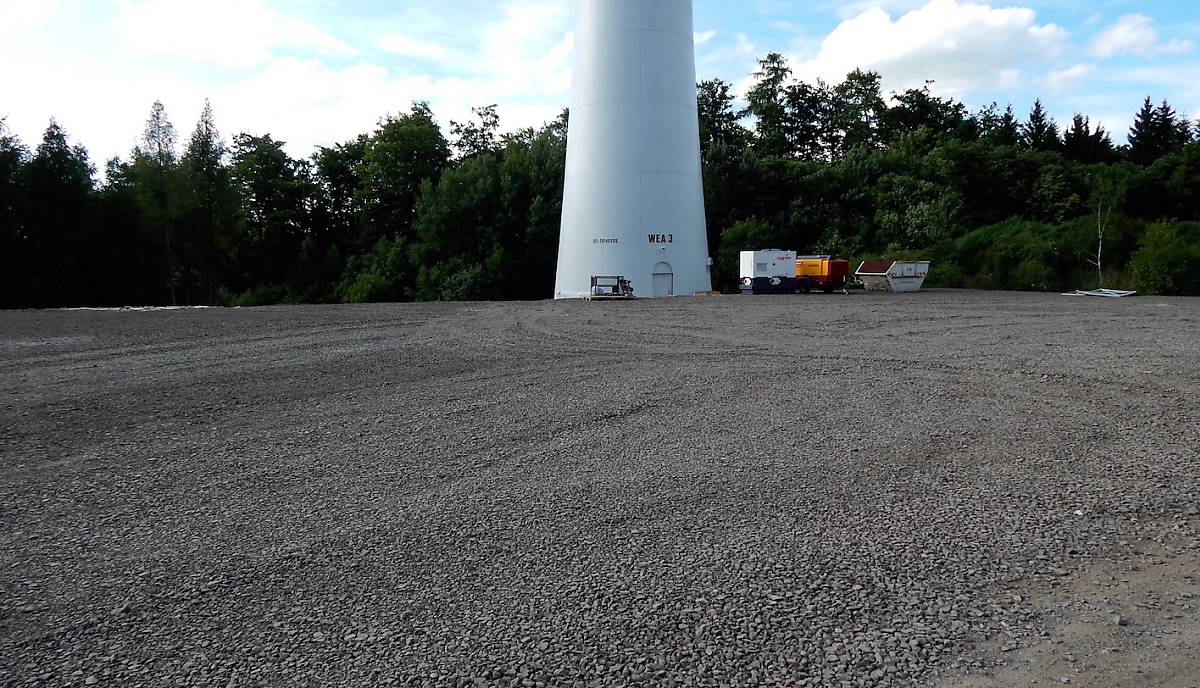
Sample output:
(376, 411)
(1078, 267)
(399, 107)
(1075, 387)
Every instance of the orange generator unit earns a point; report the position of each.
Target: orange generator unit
(821, 272)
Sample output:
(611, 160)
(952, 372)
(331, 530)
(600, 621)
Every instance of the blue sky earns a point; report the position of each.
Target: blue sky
(314, 72)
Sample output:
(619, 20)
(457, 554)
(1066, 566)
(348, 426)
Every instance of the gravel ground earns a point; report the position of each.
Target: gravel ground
(856, 491)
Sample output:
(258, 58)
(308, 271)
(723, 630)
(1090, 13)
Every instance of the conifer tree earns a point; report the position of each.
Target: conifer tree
(155, 165)
(58, 220)
(207, 205)
(1082, 144)
(1173, 131)
(766, 103)
(1002, 129)
(1144, 146)
(1040, 132)
(13, 157)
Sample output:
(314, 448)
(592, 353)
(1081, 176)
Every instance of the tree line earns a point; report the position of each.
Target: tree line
(412, 212)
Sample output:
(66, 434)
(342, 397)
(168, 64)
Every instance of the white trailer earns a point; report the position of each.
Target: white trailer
(771, 271)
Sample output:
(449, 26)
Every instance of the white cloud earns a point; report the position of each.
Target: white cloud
(1061, 79)
(742, 52)
(267, 71)
(1134, 34)
(17, 19)
(961, 46)
(528, 50)
(408, 47)
(845, 9)
(229, 33)
(521, 61)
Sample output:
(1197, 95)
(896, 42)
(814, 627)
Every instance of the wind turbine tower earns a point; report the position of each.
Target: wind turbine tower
(633, 204)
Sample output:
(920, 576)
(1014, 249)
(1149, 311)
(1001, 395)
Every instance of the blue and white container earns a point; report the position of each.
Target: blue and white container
(768, 272)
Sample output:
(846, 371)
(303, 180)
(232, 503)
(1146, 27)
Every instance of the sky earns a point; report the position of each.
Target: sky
(317, 72)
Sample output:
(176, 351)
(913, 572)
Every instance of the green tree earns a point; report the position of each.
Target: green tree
(402, 154)
(720, 122)
(156, 170)
(808, 130)
(998, 128)
(1173, 130)
(378, 276)
(477, 137)
(1083, 144)
(1040, 131)
(767, 106)
(130, 254)
(1157, 131)
(1008, 130)
(917, 110)
(532, 170)
(208, 209)
(460, 221)
(340, 206)
(914, 213)
(857, 107)
(1055, 196)
(489, 227)
(275, 192)
(1144, 145)
(58, 224)
(13, 265)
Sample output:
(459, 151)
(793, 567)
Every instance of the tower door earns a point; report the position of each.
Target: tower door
(664, 280)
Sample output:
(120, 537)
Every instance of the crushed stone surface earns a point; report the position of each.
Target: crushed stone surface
(868, 490)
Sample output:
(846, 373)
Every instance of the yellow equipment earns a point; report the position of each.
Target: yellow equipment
(821, 272)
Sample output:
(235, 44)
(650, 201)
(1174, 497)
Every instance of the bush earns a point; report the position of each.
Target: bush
(1020, 254)
(1168, 259)
(377, 276)
(262, 295)
(1033, 275)
(943, 274)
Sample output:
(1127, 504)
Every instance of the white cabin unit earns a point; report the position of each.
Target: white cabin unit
(769, 263)
(770, 271)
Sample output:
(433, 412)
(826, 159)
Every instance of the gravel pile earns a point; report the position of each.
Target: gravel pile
(834, 491)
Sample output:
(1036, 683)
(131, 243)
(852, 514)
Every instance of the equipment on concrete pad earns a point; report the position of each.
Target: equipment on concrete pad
(821, 272)
(768, 272)
(610, 288)
(773, 271)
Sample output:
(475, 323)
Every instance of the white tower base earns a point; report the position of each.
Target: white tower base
(633, 204)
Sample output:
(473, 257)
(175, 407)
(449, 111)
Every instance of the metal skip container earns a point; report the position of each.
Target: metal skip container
(633, 201)
(890, 275)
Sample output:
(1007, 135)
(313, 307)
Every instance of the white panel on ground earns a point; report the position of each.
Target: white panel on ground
(634, 196)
